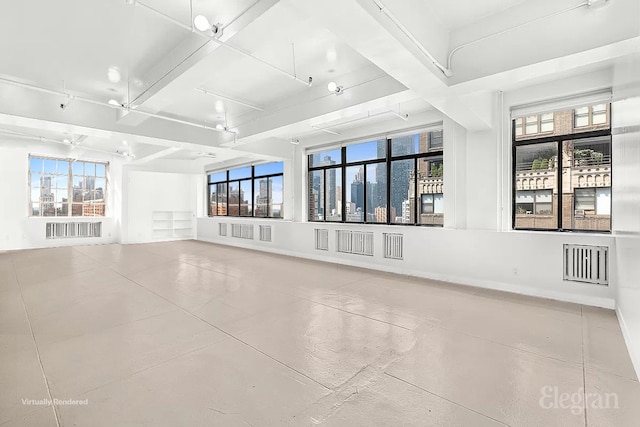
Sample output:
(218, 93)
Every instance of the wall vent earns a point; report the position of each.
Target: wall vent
(222, 229)
(354, 242)
(63, 230)
(322, 239)
(393, 245)
(243, 231)
(588, 264)
(265, 233)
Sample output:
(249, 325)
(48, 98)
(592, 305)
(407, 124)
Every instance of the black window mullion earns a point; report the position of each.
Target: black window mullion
(388, 183)
(416, 202)
(560, 170)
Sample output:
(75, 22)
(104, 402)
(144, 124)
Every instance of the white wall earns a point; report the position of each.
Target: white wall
(626, 223)
(19, 231)
(491, 259)
(145, 192)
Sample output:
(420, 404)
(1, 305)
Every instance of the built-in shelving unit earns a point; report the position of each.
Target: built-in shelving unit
(172, 225)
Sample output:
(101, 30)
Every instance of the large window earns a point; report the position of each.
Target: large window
(252, 191)
(67, 187)
(562, 176)
(389, 181)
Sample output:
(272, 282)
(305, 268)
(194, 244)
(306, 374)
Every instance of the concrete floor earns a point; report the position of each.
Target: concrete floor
(189, 333)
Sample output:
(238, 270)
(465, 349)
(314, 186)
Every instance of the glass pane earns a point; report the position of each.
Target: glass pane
(62, 196)
(268, 169)
(585, 199)
(64, 210)
(233, 208)
(275, 205)
(221, 205)
(35, 209)
(431, 182)
(536, 183)
(60, 182)
(213, 200)
(587, 170)
(333, 195)
(63, 167)
(76, 209)
(435, 140)
(355, 193)
(246, 198)
(330, 157)
(316, 195)
(262, 195)
(438, 203)
(78, 168)
(35, 164)
(402, 191)
(240, 173)
(426, 204)
(90, 169)
(409, 144)
(50, 166)
(101, 170)
(603, 201)
(367, 151)
(376, 198)
(218, 177)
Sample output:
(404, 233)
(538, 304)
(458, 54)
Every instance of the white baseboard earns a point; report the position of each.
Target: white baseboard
(632, 347)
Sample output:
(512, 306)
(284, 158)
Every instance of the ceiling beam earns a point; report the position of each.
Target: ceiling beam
(360, 24)
(173, 68)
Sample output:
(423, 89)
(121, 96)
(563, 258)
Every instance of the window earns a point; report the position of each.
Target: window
(592, 115)
(251, 191)
(562, 181)
(534, 125)
(379, 181)
(67, 187)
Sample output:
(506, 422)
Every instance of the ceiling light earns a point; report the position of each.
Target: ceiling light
(125, 142)
(294, 141)
(114, 103)
(66, 141)
(113, 74)
(333, 87)
(219, 127)
(202, 24)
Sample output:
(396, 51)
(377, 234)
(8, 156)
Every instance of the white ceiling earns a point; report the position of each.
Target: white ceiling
(68, 46)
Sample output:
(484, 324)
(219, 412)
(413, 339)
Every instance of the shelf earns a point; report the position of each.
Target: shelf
(172, 224)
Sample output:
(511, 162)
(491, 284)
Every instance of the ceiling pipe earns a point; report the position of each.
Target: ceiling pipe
(588, 3)
(445, 70)
(112, 106)
(45, 139)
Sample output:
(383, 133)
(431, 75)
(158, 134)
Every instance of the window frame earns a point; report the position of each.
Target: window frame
(253, 178)
(69, 175)
(558, 140)
(437, 152)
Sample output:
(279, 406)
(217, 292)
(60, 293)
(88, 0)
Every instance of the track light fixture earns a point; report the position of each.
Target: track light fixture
(294, 141)
(202, 24)
(333, 87)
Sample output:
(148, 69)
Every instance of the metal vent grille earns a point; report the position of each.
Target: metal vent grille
(222, 229)
(265, 233)
(62, 230)
(322, 239)
(354, 242)
(588, 264)
(393, 245)
(243, 231)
